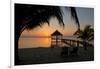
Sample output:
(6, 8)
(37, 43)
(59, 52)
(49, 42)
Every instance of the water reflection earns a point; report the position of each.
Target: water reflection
(34, 42)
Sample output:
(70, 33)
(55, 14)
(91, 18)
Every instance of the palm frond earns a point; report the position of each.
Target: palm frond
(31, 16)
(74, 16)
(86, 34)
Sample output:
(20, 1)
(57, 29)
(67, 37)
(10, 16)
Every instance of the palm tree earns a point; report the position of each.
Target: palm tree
(31, 16)
(87, 34)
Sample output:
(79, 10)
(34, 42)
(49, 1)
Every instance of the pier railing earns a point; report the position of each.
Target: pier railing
(75, 43)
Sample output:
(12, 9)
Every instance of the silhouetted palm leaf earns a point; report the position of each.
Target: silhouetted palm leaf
(31, 16)
(86, 34)
(74, 16)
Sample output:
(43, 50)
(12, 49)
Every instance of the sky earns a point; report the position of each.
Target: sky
(85, 16)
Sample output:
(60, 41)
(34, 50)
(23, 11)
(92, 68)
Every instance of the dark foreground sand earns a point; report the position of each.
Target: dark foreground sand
(53, 55)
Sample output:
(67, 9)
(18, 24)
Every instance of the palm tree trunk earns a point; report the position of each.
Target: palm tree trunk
(84, 45)
(16, 56)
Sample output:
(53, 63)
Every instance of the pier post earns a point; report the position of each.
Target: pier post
(77, 43)
(70, 42)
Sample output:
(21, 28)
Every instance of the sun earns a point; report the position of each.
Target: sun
(46, 33)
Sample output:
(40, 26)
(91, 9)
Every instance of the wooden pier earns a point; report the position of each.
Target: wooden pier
(75, 43)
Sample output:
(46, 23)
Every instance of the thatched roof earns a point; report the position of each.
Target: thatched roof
(56, 33)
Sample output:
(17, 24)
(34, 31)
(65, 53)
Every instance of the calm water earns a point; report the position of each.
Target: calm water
(30, 42)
